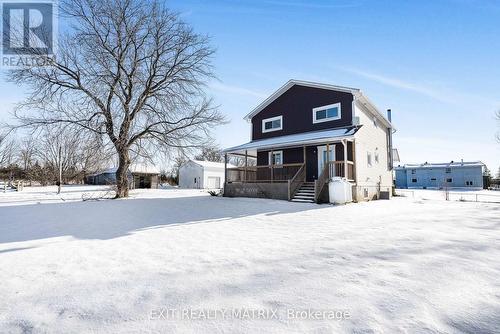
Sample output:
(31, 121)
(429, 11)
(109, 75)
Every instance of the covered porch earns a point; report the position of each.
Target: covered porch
(279, 167)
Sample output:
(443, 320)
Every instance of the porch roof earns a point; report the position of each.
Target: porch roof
(305, 138)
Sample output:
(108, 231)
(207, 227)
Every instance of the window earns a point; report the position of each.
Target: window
(276, 158)
(327, 113)
(375, 124)
(414, 171)
(194, 180)
(433, 179)
(448, 170)
(468, 183)
(369, 159)
(365, 192)
(272, 124)
(450, 180)
(414, 180)
(376, 157)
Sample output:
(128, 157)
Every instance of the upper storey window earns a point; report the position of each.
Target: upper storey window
(272, 124)
(327, 113)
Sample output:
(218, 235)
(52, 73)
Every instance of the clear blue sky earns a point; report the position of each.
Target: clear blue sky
(435, 63)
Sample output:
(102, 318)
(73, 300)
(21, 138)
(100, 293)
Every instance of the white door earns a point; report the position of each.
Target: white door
(213, 182)
(322, 158)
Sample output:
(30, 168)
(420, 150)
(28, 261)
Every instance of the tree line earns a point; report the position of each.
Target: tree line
(39, 157)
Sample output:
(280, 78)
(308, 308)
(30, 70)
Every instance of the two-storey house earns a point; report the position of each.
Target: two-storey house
(306, 133)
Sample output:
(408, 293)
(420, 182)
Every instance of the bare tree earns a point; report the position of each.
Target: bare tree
(27, 152)
(129, 70)
(58, 150)
(210, 153)
(7, 150)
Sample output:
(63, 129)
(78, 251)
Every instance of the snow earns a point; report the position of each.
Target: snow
(109, 266)
(139, 168)
(456, 194)
(211, 164)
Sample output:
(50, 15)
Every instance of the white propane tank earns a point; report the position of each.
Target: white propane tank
(340, 191)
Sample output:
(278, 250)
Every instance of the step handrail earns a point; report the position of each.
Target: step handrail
(296, 181)
(319, 184)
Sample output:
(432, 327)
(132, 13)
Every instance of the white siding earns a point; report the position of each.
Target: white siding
(188, 172)
(213, 172)
(371, 139)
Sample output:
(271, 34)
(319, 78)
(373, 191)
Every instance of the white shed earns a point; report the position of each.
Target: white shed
(196, 174)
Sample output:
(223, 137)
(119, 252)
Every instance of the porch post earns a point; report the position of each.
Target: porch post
(327, 161)
(225, 172)
(305, 161)
(271, 164)
(344, 142)
(246, 164)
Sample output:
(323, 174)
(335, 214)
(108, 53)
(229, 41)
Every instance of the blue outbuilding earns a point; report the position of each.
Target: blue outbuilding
(440, 175)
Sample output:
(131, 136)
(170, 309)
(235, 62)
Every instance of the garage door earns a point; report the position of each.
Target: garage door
(213, 182)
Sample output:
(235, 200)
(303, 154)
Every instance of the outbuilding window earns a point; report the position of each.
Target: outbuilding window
(414, 180)
(450, 180)
(272, 124)
(327, 113)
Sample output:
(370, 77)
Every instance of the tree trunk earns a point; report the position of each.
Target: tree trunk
(122, 173)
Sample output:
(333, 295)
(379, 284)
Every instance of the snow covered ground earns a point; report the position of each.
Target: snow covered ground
(160, 261)
(491, 196)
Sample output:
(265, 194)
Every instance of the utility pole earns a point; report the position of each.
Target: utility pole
(60, 169)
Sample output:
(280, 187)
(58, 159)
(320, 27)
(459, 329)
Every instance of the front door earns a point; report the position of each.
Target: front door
(322, 158)
(311, 163)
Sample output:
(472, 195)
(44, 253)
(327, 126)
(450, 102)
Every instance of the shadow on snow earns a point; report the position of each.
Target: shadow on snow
(115, 218)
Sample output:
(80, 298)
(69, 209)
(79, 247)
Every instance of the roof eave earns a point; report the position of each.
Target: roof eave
(236, 149)
(359, 96)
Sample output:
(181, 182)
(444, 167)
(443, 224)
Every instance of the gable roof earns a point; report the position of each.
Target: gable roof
(133, 168)
(210, 164)
(356, 92)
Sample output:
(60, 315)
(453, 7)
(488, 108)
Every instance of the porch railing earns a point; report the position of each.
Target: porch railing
(332, 169)
(296, 181)
(263, 174)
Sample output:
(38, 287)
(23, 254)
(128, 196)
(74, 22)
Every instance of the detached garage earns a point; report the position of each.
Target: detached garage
(196, 174)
